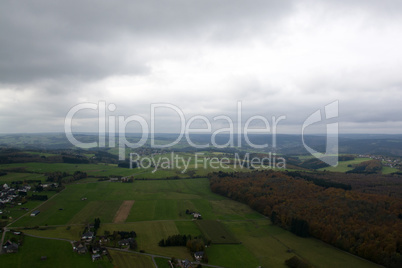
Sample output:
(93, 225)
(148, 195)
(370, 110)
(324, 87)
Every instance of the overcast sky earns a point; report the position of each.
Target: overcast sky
(278, 58)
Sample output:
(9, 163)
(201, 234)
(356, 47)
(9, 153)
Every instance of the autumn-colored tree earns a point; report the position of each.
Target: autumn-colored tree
(364, 224)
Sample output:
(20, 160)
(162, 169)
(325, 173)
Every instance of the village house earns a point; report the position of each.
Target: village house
(186, 264)
(79, 247)
(197, 215)
(199, 255)
(34, 213)
(103, 240)
(96, 257)
(10, 247)
(96, 249)
(7, 194)
(125, 242)
(88, 236)
(24, 189)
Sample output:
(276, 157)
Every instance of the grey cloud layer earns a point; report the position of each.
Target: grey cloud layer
(53, 39)
(278, 57)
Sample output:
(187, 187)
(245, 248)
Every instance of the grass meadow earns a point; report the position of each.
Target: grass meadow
(159, 211)
(216, 232)
(149, 233)
(388, 170)
(96, 170)
(58, 253)
(343, 165)
(200, 166)
(162, 263)
(128, 260)
(12, 176)
(272, 245)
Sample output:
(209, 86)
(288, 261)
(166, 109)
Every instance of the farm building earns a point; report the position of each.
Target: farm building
(125, 242)
(34, 213)
(186, 264)
(10, 247)
(88, 236)
(96, 257)
(199, 255)
(197, 215)
(79, 247)
(96, 249)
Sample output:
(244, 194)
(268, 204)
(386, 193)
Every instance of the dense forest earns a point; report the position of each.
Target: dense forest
(368, 225)
(371, 166)
(375, 183)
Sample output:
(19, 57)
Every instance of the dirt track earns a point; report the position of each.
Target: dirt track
(124, 210)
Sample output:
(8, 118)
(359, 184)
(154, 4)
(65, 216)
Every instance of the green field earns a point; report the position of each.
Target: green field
(216, 232)
(36, 169)
(343, 165)
(58, 253)
(162, 263)
(270, 245)
(159, 200)
(234, 256)
(105, 210)
(159, 211)
(13, 176)
(69, 232)
(188, 228)
(388, 170)
(149, 233)
(128, 260)
(100, 170)
(13, 212)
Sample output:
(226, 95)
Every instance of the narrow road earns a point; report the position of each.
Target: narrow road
(35, 208)
(51, 238)
(5, 229)
(153, 260)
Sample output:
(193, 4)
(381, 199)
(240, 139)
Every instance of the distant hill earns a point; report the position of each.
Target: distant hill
(285, 144)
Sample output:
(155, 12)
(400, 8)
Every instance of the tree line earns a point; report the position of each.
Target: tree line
(363, 224)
